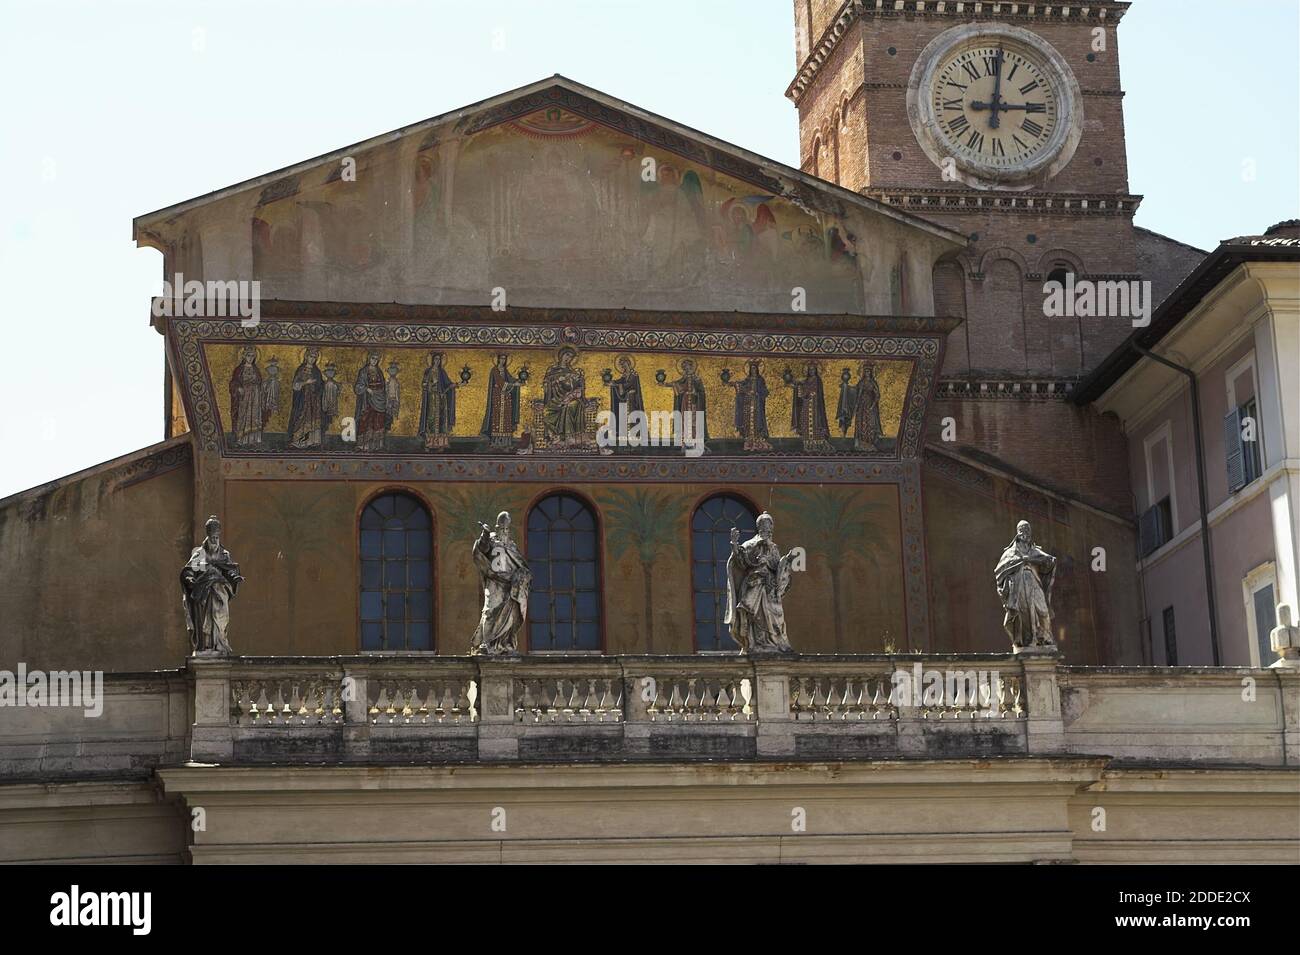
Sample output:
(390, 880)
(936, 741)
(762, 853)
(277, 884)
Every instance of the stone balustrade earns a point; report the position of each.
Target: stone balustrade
(597, 708)
(429, 709)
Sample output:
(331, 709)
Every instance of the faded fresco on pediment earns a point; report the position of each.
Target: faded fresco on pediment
(553, 206)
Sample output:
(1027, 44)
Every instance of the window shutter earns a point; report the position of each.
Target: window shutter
(1154, 527)
(1166, 511)
(1233, 451)
(1149, 530)
(1171, 638)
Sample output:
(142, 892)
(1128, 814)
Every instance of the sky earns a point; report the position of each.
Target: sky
(115, 108)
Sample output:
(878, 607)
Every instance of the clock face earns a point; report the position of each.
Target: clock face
(995, 106)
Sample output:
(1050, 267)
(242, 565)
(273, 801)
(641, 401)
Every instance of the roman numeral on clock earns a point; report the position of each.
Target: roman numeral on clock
(976, 141)
(1029, 86)
(997, 147)
(971, 71)
(1032, 128)
(1035, 107)
(958, 125)
(1014, 67)
(952, 104)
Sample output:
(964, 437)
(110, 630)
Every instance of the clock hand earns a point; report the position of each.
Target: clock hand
(997, 89)
(978, 105)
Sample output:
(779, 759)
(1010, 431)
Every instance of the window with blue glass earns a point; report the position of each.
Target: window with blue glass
(710, 547)
(396, 574)
(564, 603)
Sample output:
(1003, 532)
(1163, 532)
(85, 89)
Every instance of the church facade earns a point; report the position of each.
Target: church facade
(634, 339)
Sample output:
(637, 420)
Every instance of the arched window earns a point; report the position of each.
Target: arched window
(396, 574)
(1059, 272)
(564, 604)
(710, 547)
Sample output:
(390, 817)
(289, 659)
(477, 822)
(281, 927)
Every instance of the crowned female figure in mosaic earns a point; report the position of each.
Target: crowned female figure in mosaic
(271, 389)
(372, 405)
(688, 400)
(859, 407)
(506, 580)
(625, 394)
(437, 404)
(808, 410)
(501, 417)
(248, 414)
(307, 417)
(751, 408)
(757, 578)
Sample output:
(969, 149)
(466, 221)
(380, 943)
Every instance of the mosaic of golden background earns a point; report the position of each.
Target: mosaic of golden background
(892, 375)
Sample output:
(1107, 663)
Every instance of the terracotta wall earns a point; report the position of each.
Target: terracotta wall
(91, 566)
(971, 515)
(1052, 442)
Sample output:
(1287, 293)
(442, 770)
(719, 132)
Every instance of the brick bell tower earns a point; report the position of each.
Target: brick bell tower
(1003, 121)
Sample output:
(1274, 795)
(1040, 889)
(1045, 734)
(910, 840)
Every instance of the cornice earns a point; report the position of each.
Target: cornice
(1003, 388)
(903, 86)
(962, 201)
(1104, 11)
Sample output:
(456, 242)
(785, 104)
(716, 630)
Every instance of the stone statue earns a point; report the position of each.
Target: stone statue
(208, 583)
(506, 580)
(1024, 577)
(1285, 640)
(757, 578)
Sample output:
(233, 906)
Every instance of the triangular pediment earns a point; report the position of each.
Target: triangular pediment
(555, 194)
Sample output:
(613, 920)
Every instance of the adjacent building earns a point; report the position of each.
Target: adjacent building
(1209, 399)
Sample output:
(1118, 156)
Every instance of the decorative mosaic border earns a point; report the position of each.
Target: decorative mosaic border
(317, 312)
(201, 408)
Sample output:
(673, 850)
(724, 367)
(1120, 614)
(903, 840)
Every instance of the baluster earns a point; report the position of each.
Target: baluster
(692, 704)
(278, 704)
(524, 702)
(617, 687)
(591, 703)
(796, 694)
(554, 700)
(461, 707)
(674, 702)
(571, 700)
(726, 700)
(447, 701)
